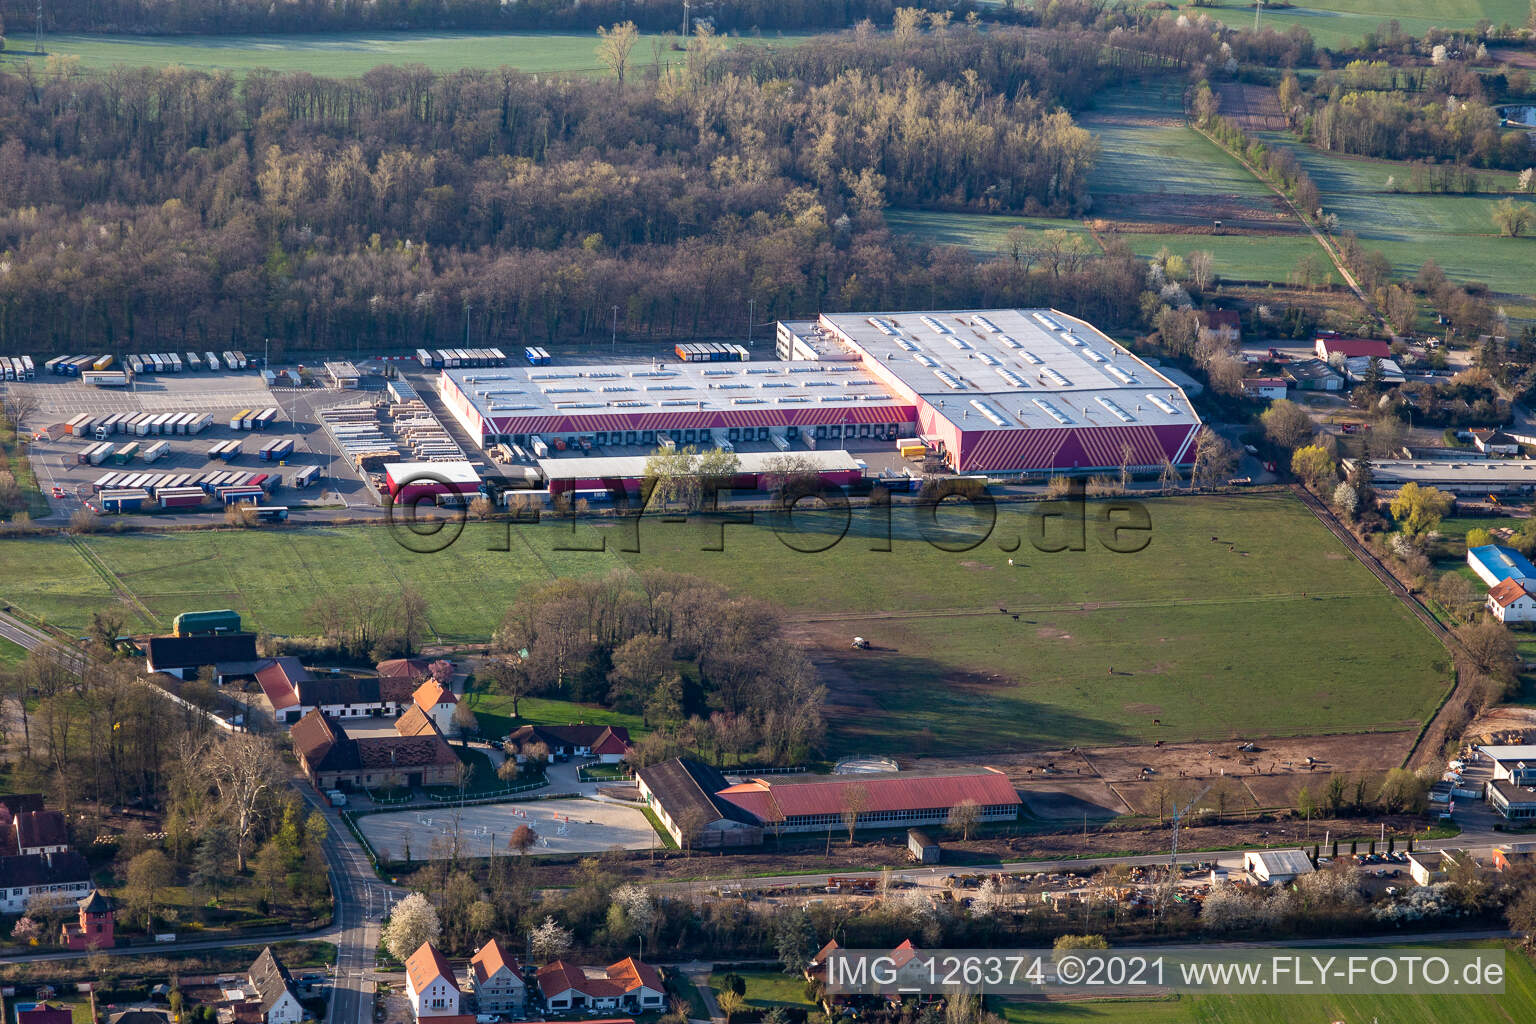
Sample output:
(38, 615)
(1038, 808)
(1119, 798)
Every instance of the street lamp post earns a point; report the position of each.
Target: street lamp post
(615, 341)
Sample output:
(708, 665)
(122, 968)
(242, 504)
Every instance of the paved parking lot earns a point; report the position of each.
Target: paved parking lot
(222, 395)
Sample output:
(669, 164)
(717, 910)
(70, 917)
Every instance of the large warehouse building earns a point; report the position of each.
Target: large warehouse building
(1003, 392)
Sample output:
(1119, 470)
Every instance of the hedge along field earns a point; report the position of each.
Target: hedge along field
(1335, 23)
(1457, 231)
(346, 54)
(1270, 629)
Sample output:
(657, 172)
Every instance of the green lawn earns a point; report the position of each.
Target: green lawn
(1238, 257)
(11, 653)
(767, 989)
(1345, 22)
(985, 234)
(1456, 231)
(1280, 633)
(341, 54)
(495, 714)
(1518, 1003)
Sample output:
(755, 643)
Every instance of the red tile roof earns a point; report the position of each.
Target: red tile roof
(409, 668)
(426, 965)
(432, 693)
(559, 976)
(279, 680)
(1508, 592)
(489, 959)
(611, 743)
(772, 800)
(630, 974)
(1350, 348)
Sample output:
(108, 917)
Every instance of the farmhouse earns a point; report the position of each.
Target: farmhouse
(412, 753)
(430, 986)
(686, 793)
(495, 980)
(276, 1000)
(437, 702)
(1494, 564)
(607, 743)
(1277, 866)
(45, 878)
(230, 654)
(293, 691)
(629, 984)
(1513, 600)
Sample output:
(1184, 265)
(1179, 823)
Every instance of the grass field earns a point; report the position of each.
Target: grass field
(342, 54)
(1345, 22)
(10, 653)
(1104, 642)
(1456, 231)
(495, 714)
(985, 234)
(1518, 1003)
(767, 989)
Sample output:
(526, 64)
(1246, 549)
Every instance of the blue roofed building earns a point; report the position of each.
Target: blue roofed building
(1494, 564)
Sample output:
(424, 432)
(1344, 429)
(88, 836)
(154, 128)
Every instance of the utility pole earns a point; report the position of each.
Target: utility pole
(615, 342)
(467, 310)
(1258, 9)
(751, 307)
(686, 5)
(39, 45)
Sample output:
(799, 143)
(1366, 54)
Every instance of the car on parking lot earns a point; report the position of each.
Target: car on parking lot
(58, 492)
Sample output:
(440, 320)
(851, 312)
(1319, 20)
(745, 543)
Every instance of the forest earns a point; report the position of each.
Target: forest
(181, 205)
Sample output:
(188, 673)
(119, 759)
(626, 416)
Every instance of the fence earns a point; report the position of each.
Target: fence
(487, 798)
(608, 773)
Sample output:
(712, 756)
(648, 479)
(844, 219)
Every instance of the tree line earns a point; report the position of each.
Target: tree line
(185, 206)
(708, 670)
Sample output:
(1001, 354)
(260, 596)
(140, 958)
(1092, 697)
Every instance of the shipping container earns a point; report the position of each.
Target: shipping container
(124, 500)
(181, 497)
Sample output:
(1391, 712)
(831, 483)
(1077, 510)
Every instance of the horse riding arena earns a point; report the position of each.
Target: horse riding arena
(562, 827)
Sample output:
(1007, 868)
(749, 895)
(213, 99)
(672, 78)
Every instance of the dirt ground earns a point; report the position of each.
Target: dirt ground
(1179, 212)
(815, 856)
(1255, 107)
(1503, 725)
(1513, 56)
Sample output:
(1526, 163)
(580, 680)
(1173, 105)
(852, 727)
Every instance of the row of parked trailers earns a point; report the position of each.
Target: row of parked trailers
(253, 419)
(74, 366)
(122, 454)
(175, 362)
(206, 482)
(454, 358)
(17, 368)
(141, 424)
(712, 352)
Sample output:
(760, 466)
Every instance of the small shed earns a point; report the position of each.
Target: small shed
(922, 846)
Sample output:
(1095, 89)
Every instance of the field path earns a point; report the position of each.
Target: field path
(1322, 240)
(110, 578)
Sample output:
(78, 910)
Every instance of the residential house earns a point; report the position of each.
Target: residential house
(1513, 601)
(607, 743)
(496, 980)
(437, 702)
(629, 985)
(44, 878)
(907, 971)
(10, 806)
(1494, 442)
(1277, 866)
(1221, 325)
(40, 832)
(94, 928)
(430, 985)
(1264, 387)
(410, 753)
(276, 996)
(231, 654)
